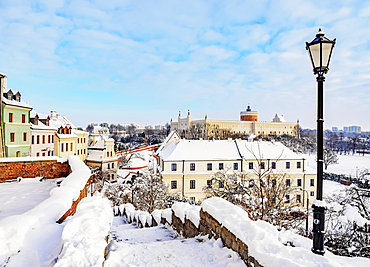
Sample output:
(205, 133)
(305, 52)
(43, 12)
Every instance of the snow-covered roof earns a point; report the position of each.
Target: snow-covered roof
(173, 135)
(95, 155)
(265, 150)
(200, 150)
(41, 126)
(225, 150)
(58, 121)
(278, 118)
(16, 103)
(65, 136)
(80, 132)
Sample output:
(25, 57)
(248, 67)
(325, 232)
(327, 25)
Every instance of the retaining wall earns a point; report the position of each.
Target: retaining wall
(207, 226)
(11, 168)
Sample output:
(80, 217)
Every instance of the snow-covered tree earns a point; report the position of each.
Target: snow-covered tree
(347, 222)
(119, 193)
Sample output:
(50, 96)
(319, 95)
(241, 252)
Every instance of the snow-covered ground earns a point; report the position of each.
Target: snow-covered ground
(347, 164)
(160, 246)
(17, 198)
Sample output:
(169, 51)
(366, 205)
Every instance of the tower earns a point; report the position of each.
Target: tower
(248, 115)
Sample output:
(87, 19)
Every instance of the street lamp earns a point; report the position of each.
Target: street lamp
(320, 50)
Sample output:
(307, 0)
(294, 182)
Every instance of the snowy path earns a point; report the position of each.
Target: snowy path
(159, 246)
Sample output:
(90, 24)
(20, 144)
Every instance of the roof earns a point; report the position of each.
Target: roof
(278, 118)
(265, 150)
(61, 121)
(41, 126)
(200, 150)
(226, 150)
(16, 103)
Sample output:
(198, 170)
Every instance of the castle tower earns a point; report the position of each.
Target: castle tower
(248, 115)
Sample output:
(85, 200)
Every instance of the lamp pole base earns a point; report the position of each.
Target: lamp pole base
(318, 230)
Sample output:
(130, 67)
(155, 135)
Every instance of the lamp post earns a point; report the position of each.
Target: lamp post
(319, 50)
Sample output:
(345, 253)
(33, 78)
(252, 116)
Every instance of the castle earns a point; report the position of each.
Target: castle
(247, 125)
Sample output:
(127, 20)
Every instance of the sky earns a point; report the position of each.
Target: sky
(144, 61)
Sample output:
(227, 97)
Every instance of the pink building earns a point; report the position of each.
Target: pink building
(42, 135)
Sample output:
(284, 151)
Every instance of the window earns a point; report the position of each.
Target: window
(299, 182)
(298, 164)
(43, 139)
(192, 166)
(312, 193)
(192, 199)
(287, 182)
(52, 138)
(173, 184)
(273, 182)
(71, 146)
(236, 166)
(38, 154)
(10, 117)
(62, 147)
(24, 136)
(262, 165)
(112, 176)
(287, 165)
(38, 139)
(49, 138)
(221, 184)
(84, 151)
(209, 166)
(48, 153)
(108, 166)
(43, 154)
(220, 166)
(192, 184)
(251, 165)
(12, 136)
(209, 183)
(287, 198)
(52, 153)
(273, 165)
(173, 167)
(78, 140)
(312, 182)
(78, 152)
(298, 198)
(33, 139)
(23, 118)
(111, 154)
(112, 165)
(66, 146)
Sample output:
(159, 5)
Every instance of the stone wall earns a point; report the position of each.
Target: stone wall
(207, 226)
(11, 170)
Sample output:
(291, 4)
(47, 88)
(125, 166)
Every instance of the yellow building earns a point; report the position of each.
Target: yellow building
(68, 140)
(247, 125)
(101, 155)
(187, 165)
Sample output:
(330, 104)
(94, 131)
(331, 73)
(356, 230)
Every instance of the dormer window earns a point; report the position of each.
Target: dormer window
(10, 97)
(18, 98)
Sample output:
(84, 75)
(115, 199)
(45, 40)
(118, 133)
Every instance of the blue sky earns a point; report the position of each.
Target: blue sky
(144, 61)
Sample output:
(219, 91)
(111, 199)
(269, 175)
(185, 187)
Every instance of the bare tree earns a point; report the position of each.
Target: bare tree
(329, 157)
(265, 195)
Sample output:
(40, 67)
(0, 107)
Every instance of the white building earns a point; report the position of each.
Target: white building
(186, 165)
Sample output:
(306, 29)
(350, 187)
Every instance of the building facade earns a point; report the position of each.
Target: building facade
(42, 135)
(187, 165)
(101, 155)
(15, 124)
(247, 125)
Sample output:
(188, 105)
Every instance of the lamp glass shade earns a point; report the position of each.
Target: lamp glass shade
(320, 50)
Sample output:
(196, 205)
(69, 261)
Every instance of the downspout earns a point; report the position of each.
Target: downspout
(240, 155)
(183, 178)
(2, 148)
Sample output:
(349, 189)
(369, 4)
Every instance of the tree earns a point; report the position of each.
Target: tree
(264, 194)
(329, 157)
(347, 228)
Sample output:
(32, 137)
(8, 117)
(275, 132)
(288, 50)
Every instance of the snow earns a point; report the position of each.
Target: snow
(167, 214)
(17, 198)
(28, 232)
(161, 246)
(157, 215)
(185, 210)
(264, 241)
(21, 159)
(350, 165)
(83, 237)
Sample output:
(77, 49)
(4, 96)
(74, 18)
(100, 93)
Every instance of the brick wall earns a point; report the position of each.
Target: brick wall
(32, 169)
(72, 210)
